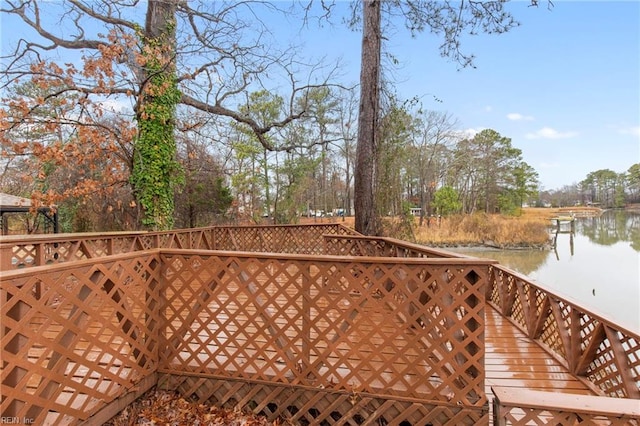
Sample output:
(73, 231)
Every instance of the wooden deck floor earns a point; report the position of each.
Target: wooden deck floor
(513, 360)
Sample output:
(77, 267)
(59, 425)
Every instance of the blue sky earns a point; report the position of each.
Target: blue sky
(564, 86)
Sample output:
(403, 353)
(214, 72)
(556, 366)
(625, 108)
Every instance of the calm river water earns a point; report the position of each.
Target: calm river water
(598, 266)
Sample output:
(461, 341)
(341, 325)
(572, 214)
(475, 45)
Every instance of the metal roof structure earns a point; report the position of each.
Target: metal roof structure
(14, 204)
(10, 203)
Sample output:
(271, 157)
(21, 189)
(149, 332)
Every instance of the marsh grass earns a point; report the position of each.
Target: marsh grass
(484, 229)
(531, 228)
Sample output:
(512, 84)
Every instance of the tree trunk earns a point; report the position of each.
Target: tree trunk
(347, 203)
(155, 169)
(366, 221)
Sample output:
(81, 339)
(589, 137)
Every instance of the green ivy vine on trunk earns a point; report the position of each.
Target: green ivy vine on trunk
(156, 172)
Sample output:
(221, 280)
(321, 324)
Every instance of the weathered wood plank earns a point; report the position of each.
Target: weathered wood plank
(526, 398)
(514, 361)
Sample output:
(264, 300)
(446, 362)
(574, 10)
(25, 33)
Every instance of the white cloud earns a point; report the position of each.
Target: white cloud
(488, 108)
(470, 132)
(114, 105)
(633, 131)
(549, 133)
(519, 117)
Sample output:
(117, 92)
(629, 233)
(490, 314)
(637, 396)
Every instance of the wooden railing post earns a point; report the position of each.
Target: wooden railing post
(498, 416)
(6, 257)
(39, 254)
(574, 350)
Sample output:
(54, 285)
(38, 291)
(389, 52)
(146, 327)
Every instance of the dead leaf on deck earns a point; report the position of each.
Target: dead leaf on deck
(165, 408)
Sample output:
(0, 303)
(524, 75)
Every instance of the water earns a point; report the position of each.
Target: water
(598, 266)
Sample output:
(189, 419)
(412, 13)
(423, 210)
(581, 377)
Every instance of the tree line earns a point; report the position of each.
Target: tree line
(603, 188)
(181, 114)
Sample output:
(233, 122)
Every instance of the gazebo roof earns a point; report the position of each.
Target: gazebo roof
(12, 203)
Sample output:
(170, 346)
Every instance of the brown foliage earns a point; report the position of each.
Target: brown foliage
(527, 230)
(63, 144)
(169, 408)
(484, 229)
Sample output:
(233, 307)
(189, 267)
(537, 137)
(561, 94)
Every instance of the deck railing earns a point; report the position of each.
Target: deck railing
(36, 250)
(304, 337)
(604, 355)
(325, 338)
(81, 300)
(359, 245)
(591, 347)
(91, 337)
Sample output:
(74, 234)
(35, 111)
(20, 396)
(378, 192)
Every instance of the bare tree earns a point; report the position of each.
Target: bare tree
(197, 54)
(348, 131)
(434, 141)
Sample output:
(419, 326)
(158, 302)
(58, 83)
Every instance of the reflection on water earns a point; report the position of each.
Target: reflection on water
(612, 227)
(598, 267)
(523, 261)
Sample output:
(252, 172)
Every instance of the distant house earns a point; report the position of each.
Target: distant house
(416, 211)
(11, 204)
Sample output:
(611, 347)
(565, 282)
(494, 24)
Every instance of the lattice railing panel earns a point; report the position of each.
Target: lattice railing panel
(347, 246)
(592, 347)
(202, 239)
(19, 256)
(605, 369)
(243, 239)
(519, 305)
(56, 249)
(313, 406)
(414, 329)
(555, 330)
(123, 244)
(606, 375)
(301, 239)
(589, 330)
(358, 245)
(19, 252)
(89, 337)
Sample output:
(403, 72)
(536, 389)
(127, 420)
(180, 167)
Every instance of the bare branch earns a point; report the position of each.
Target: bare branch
(108, 19)
(36, 24)
(260, 131)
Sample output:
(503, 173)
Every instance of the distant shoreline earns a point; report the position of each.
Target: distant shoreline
(531, 230)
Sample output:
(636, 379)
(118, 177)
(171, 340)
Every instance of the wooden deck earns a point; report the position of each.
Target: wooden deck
(325, 332)
(512, 361)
